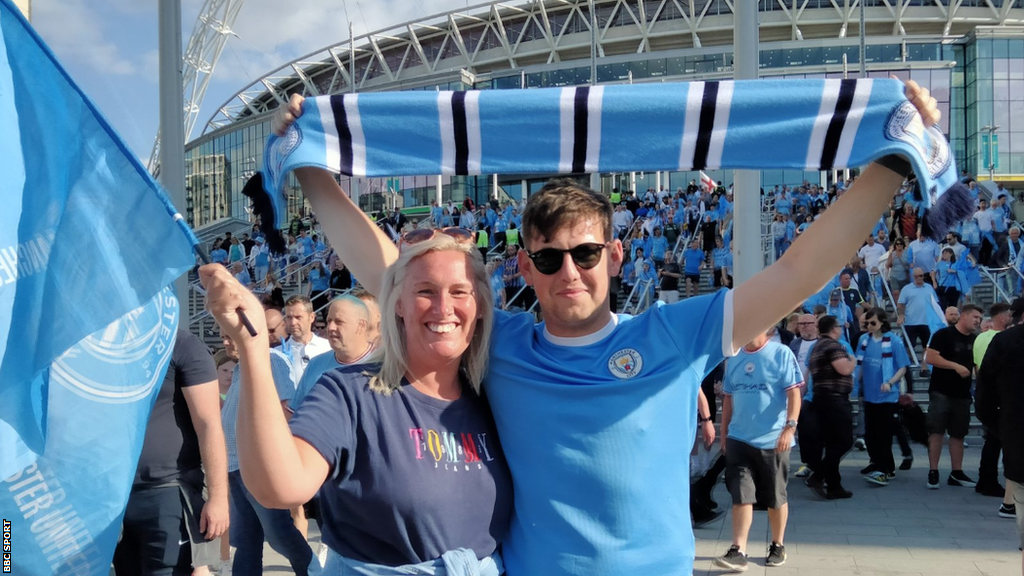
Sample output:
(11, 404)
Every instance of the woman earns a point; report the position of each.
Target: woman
(881, 363)
(948, 286)
(381, 443)
(839, 310)
(235, 254)
(898, 265)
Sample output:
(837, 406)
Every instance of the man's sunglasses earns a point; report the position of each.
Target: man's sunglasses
(547, 261)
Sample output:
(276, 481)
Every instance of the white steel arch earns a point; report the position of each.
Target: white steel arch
(209, 36)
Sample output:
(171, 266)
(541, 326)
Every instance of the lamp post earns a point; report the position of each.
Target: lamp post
(990, 130)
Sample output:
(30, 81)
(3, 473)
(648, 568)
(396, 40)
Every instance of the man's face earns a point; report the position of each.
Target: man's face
(953, 315)
(808, 326)
(275, 328)
(347, 324)
(871, 240)
(1015, 234)
(229, 346)
(511, 250)
(918, 277)
(970, 321)
(844, 281)
(298, 322)
(951, 239)
(574, 300)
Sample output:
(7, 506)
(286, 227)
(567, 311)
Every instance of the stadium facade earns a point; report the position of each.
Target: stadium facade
(969, 53)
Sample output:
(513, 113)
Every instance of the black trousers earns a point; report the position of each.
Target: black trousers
(880, 422)
(835, 430)
(918, 333)
(808, 436)
(154, 539)
(988, 469)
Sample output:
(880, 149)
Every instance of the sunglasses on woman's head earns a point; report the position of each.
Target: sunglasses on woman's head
(547, 261)
(461, 235)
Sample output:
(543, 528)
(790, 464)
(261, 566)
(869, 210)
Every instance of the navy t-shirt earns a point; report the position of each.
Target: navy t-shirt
(411, 476)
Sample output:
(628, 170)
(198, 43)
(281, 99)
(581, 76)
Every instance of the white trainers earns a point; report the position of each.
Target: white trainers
(803, 472)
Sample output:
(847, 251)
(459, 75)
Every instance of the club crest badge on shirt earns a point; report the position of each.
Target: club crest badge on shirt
(625, 363)
(748, 367)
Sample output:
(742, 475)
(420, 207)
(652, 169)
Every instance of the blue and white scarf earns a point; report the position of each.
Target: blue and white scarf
(826, 124)
(888, 365)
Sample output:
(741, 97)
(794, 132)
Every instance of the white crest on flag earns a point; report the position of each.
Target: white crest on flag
(120, 364)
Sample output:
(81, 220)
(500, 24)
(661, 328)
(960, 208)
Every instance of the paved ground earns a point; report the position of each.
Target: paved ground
(901, 529)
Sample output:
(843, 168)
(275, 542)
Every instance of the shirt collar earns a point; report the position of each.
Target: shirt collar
(586, 340)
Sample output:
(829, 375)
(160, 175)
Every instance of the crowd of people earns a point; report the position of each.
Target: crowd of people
(423, 397)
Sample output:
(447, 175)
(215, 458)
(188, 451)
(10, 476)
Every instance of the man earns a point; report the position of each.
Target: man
(241, 274)
(512, 279)
(252, 524)
(854, 298)
(807, 330)
(693, 259)
(870, 253)
(349, 328)
(759, 414)
(831, 367)
(371, 305)
(999, 404)
(950, 353)
(670, 275)
(861, 280)
(988, 469)
(924, 253)
(912, 308)
(952, 315)
(1009, 255)
(985, 217)
(302, 344)
(568, 393)
(184, 445)
(953, 243)
(275, 327)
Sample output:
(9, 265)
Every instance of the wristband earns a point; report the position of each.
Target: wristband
(897, 164)
(701, 419)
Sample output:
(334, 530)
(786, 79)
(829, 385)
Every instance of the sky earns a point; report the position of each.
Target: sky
(109, 47)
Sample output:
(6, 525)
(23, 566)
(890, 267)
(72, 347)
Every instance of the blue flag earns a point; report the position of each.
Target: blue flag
(88, 244)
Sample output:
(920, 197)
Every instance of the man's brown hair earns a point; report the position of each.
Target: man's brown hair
(562, 202)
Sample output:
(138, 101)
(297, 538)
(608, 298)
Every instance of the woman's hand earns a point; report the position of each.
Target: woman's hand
(285, 116)
(225, 298)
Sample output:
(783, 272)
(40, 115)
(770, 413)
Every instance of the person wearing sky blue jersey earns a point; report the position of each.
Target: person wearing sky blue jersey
(560, 418)
(759, 418)
(402, 452)
(659, 245)
(913, 304)
(693, 258)
(881, 362)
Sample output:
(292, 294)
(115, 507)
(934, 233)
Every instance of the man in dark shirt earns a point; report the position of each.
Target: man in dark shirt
(166, 516)
(831, 368)
(951, 354)
(670, 275)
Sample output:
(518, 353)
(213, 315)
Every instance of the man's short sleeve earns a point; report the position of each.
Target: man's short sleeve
(191, 361)
(792, 375)
(940, 342)
(903, 296)
(834, 350)
(702, 327)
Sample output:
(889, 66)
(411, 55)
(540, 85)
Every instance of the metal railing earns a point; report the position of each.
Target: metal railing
(643, 300)
(337, 292)
(514, 298)
(903, 331)
(988, 273)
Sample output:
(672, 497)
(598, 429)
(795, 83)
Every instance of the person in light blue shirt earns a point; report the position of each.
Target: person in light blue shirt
(924, 253)
(659, 245)
(645, 274)
(759, 418)
(881, 362)
(783, 204)
(693, 259)
(913, 304)
(219, 256)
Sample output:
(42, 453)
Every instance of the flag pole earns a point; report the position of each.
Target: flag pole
(172, 131)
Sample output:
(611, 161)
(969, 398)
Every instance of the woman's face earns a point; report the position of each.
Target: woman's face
(439, 308)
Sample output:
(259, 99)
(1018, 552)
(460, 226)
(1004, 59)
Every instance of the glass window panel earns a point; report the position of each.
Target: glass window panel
(1017, 68)
(832, 55)
(1015, 142)
(1000, 68)
(901, 74)
(1015, 48)
(984, 88)
(677, 67)
(984, 48)
(639, 69)
(1016, 163)
(604, 73)
(813, 56)
(771, 58)
(1001, 114)
(939, 85)
(873, 53)
(1016, 90)
(1001, 90)
(1000, 48)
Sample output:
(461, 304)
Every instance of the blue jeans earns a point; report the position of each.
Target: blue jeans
(252, 523)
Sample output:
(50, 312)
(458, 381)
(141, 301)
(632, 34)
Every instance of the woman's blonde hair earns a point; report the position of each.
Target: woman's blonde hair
(392, 350)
